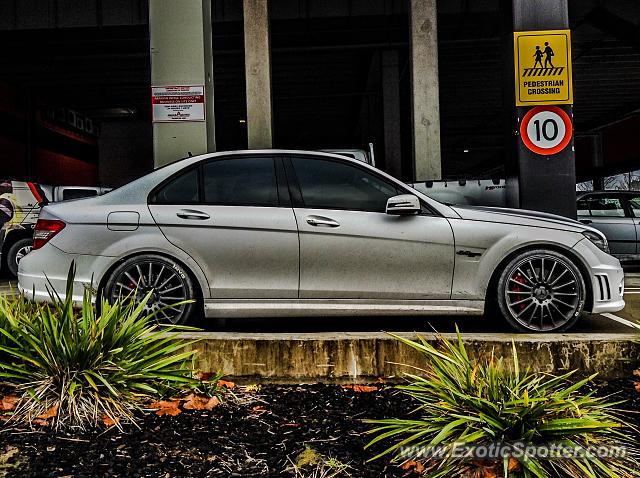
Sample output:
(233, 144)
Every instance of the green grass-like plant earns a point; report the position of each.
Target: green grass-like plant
(84, 365)
(462, 401)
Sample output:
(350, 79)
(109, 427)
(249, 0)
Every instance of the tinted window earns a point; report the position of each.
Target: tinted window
(242, 181)
(635, 205)
(333, 185)
(180, 190)
(600, 206)
(78, 193)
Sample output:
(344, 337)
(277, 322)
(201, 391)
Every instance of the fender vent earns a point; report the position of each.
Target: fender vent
(603, 287)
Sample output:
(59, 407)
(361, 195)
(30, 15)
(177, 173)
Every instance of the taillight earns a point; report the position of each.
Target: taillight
(45, 230)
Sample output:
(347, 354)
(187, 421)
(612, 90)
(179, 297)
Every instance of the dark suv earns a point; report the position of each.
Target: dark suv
(617, 215)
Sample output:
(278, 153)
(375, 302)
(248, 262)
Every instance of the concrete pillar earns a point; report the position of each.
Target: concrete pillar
(545, 184)
(391, 113)
(425, 93)
(177, 40)
(257, 61)
(597, 161)
(207, 30)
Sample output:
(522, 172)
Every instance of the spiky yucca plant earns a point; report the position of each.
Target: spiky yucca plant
(84, 365)
(473, 403)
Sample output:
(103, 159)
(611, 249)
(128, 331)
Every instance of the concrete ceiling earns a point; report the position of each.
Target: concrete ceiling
(94, 56)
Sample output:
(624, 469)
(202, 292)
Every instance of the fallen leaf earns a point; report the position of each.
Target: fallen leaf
(166, 407)
(484, 471)
(225, 384)
(253, 388)
(413, 466)
(200, 402)
(52, 412)
(40, 421)
(361, 388)
(489, 473)
(8, 403)
(109, 422)
(258, 410)
(203, 376)
(637, 385)
(381, 380)
(514, 465)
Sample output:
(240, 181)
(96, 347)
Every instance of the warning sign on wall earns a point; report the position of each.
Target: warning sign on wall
(177, 103)
(543, 67)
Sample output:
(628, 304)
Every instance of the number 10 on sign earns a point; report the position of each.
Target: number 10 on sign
(546, 130)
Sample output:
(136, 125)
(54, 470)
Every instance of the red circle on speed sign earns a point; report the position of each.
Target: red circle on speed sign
(546, 130)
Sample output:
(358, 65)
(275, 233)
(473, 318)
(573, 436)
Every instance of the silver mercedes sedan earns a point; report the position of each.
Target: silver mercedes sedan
(277, 233)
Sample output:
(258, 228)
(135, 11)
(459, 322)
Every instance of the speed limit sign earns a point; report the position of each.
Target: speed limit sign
(546, 130)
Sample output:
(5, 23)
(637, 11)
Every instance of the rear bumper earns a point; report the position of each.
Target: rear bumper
(606, 278)
(44, 272)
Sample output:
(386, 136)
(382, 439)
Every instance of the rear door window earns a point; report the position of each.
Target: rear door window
(248, 181)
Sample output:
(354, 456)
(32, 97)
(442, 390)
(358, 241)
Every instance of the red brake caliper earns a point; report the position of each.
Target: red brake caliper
(520, 280)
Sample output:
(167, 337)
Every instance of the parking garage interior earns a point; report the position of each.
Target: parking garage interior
(75, 85)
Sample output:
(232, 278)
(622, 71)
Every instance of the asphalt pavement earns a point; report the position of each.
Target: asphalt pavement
(625, 321)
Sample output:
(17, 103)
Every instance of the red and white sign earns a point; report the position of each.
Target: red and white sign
(177, 103)
(546, 130)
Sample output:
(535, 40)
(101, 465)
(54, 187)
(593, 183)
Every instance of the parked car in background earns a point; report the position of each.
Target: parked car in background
(466, 192)
(367, 157)
(281, 233)
(66, 193)
(617, 215)
(20, 204)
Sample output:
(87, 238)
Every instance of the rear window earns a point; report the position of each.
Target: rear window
(78, 193)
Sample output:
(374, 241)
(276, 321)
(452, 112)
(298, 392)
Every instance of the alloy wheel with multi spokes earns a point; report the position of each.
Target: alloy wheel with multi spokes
(541, 291)
(165, 280)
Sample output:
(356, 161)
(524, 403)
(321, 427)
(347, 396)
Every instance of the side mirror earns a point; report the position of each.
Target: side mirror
(403, 205)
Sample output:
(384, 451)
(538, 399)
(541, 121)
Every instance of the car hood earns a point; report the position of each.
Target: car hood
(520, 217)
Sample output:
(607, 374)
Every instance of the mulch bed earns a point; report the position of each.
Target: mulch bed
(253, 438)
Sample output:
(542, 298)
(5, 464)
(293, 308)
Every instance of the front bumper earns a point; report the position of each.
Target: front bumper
(44, 272)
(606, 276)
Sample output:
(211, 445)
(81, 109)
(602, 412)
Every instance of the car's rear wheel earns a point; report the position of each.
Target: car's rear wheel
(167, 281)
(541, 291)
(16, 252)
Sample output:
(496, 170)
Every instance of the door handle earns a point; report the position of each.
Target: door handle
(192, 214)
(320, 221)
(586, 221)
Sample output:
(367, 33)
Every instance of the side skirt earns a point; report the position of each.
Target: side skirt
(234, 308)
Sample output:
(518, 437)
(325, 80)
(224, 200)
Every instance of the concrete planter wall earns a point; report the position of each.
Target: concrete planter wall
(364, 357)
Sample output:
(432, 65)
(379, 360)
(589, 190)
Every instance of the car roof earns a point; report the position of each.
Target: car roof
(609, 192)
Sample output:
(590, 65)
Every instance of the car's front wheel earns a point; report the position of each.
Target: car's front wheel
(168, 283)
(541, 291)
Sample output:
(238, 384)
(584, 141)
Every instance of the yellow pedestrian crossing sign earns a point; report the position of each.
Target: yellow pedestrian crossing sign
(543, 67)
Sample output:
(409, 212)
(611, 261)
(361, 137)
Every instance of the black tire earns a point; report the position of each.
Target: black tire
(541, 291)
(16, 252)
(170, 283)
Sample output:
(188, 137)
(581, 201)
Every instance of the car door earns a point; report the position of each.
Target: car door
(633, 202)
(349, 247)
(233, 218)
(607, 213)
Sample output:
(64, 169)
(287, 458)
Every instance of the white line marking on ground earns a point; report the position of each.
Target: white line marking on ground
(620, 320)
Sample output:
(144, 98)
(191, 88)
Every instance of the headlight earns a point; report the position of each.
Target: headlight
(599, 241)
